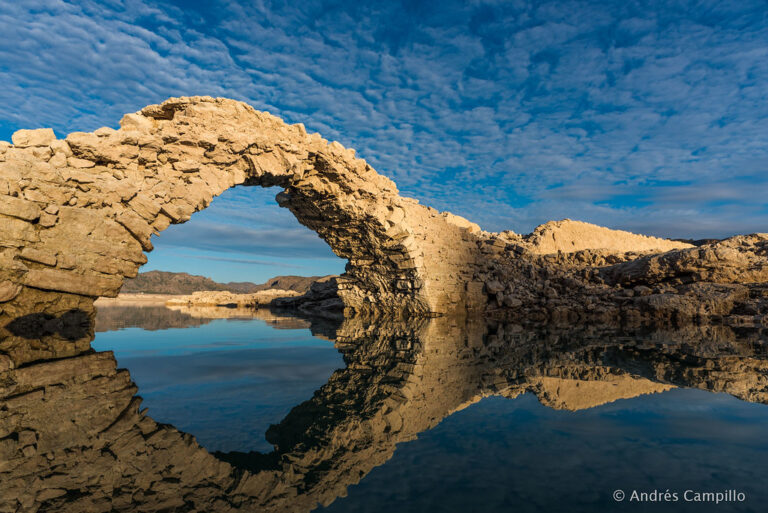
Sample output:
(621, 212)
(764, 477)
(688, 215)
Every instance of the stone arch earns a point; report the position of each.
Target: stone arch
(77, 215)
(80, 212)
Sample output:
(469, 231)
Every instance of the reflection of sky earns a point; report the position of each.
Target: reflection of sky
(219, 334)
(503, 455)
(224, 382)
(647, 115)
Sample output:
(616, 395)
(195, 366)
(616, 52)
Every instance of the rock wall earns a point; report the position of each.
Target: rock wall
(77, 216)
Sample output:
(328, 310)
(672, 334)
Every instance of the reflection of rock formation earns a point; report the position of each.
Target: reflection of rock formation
(36, 336)
(578, 394)
(274, 319)
(77, 215)
(403, 379)
(110, 318)
(72, 438)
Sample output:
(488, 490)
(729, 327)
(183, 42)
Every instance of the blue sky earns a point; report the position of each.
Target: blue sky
(646, 116)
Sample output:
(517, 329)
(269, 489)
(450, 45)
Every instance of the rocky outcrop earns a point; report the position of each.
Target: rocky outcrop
(721, 282)
(78, 214)
(321, 300)
(569, 236)
(741, 259)
(211, 298)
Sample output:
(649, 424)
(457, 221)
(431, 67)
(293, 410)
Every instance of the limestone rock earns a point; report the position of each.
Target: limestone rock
(38, 137)
(569, 236)
(8, 290)
(17, 207)
(68, 281)
(135, 122)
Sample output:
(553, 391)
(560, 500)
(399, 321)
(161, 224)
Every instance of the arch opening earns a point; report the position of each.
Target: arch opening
(242, 237)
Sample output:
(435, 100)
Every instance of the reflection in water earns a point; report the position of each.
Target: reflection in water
(155, 317)
(227, 380)
(73, 438)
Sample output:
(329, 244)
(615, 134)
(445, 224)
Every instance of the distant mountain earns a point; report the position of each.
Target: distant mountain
(164, 282)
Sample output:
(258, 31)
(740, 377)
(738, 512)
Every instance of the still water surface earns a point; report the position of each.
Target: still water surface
(227, 380)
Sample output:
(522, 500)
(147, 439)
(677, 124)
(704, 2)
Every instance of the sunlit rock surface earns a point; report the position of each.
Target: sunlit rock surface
(76, 217)
(217, 298)
(73, 436)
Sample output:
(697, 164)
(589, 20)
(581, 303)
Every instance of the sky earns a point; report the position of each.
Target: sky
(645, 116)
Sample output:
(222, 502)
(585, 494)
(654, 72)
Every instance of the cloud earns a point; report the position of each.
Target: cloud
(208, 236)
(506, 113)
(246, 261)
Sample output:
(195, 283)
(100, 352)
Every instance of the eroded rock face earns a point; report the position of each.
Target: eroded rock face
(77, 216)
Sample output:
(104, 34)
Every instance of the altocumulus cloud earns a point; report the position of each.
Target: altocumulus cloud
(644, 115)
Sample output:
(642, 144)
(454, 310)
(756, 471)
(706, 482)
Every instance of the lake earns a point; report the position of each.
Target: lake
(446, 415)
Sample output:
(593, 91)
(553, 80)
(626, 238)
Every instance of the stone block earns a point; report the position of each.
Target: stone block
(19, 208)
(137, 227)
(136, 122)
(145, 206)
(8, 290)
(16, 232)
(39, 256)
(38, 137)
(78, 163)
(70, 281)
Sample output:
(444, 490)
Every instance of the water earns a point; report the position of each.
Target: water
(440, 417)
(505, 455)
(225, 380)
(261, 411)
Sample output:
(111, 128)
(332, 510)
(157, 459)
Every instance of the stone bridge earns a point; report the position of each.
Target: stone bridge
(78, 214)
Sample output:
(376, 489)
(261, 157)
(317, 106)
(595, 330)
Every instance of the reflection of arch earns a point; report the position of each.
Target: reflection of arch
(86, 207)
(79, 414)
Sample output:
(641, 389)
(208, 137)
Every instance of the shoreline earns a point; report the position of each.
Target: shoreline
(135, 299)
